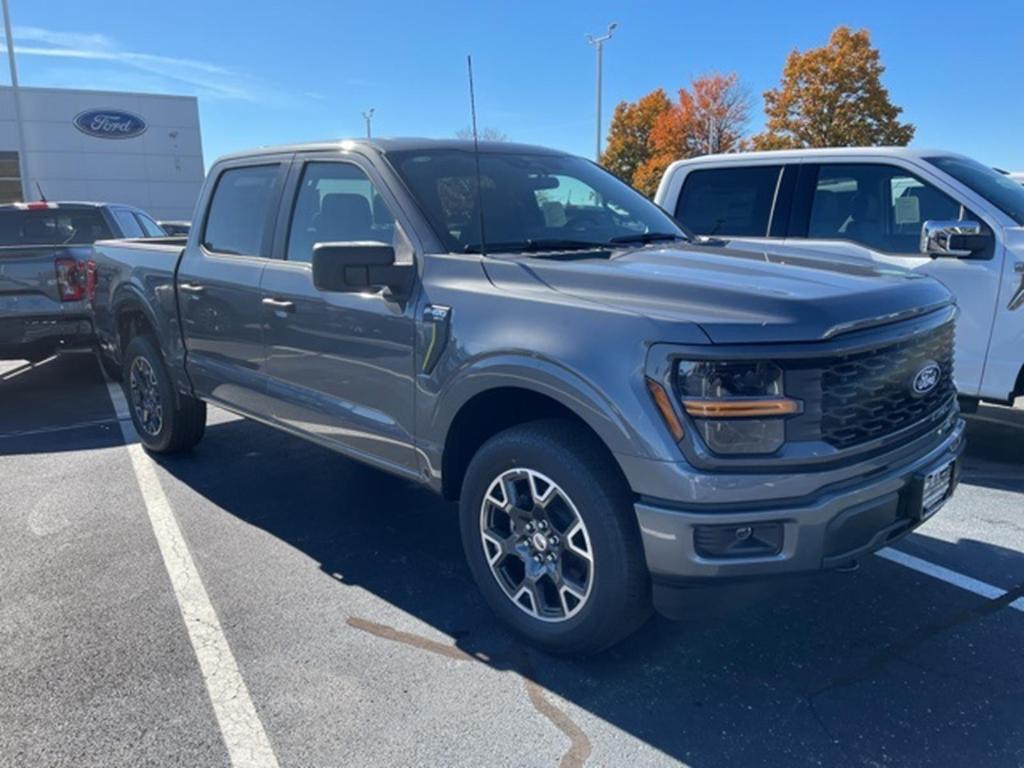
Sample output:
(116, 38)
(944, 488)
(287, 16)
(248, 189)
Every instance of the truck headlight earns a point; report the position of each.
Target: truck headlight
(738, 407)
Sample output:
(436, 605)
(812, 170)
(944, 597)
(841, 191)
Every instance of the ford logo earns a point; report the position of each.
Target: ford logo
(109, 124)
(926, 379)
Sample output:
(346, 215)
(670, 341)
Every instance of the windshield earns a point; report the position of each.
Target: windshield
(1003, 192)
(530, 201)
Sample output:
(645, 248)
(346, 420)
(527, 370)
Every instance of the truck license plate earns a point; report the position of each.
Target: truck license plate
(937, 487)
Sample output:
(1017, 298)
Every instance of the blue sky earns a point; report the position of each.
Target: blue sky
(269, 73)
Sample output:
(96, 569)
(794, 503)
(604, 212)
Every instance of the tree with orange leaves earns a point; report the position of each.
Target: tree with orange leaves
(629, 145)
(833, 97)
(709, 117)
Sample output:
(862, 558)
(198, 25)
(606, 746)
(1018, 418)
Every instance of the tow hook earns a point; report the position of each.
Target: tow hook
(850, 567)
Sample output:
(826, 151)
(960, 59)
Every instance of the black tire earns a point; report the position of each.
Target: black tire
(180, 420)
(587, 479)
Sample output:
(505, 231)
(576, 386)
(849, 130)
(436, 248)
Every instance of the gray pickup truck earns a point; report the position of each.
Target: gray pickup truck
(622, 411)
(46, 273)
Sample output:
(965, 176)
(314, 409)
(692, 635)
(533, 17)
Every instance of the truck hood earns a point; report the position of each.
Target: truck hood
(741, 296)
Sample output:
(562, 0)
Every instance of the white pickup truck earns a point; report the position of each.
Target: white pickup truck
(941, 213)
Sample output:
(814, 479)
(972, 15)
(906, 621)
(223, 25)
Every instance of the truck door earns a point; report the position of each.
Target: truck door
(340, 365)
(218, 284)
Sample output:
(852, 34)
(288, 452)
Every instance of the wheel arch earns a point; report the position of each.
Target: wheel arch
(132, 315)
(1018, 387)
(484, 403)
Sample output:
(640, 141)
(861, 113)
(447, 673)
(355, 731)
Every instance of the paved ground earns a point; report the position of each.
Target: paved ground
(361, 640)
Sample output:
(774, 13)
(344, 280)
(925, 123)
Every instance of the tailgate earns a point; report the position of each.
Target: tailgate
(28, 277)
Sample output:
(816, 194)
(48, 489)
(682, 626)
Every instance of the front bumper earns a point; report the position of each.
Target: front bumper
(28, 336)
(830, 530)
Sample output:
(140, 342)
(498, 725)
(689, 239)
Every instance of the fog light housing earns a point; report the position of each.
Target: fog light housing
(735, 541)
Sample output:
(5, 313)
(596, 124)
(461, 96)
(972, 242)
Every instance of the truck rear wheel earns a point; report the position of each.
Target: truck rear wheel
(551, 538)
(166, 421)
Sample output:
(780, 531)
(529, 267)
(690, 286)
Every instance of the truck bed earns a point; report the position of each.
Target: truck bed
(140, 270)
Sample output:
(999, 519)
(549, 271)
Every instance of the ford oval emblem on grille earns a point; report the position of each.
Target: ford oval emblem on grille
(110, 124)
(926, 379)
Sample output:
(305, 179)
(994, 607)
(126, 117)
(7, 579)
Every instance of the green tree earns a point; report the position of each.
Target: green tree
(833, 97)
(628, 145)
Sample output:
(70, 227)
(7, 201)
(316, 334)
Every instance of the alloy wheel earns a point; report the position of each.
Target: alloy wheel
(145, 396)
(537, 545)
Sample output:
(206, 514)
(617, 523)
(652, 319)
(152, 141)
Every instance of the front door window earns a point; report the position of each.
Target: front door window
(880, 206)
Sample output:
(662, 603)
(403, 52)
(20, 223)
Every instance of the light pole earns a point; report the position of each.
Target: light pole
(368, 117)
(598, 43)
(16, 95)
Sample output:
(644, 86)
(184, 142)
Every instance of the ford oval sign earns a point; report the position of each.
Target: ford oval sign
(926, 379)
(110, 124)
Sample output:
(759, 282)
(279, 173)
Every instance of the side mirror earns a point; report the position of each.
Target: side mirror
(952, 238)
(358, 268)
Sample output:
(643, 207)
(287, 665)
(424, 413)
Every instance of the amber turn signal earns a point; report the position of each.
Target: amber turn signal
(739, 409)
(664, 406)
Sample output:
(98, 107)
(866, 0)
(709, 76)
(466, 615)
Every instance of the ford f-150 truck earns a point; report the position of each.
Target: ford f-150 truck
(45, 273)
(621, 411)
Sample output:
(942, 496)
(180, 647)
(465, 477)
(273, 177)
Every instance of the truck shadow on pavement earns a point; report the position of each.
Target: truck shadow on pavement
(882, 666)
(995, 448)
(58, 404)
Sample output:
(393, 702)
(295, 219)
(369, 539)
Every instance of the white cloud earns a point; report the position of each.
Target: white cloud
(62, 39)
(198, 77)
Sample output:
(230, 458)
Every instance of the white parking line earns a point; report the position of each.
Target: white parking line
(240, 725)
(981, 588)
(8, 375)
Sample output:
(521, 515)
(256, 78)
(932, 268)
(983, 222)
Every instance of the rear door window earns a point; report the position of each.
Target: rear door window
(731, 202)
(238, 210)
(880, 206)
(127, 223)
(150, 227)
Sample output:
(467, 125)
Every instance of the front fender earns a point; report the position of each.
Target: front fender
(619, 413)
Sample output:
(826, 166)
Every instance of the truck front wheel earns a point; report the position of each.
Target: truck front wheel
(165, 420)
(551, 538)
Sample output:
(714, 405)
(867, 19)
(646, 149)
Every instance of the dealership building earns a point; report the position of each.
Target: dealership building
(140, 149)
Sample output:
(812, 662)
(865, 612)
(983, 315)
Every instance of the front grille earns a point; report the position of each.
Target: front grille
(868, 395)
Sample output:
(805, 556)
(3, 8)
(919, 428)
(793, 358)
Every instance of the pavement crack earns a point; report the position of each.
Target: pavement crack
(580, 747)
(579, 744)
(416, 641)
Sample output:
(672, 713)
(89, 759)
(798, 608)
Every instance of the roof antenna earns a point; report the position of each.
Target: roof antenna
(42, 197)
(476, 157)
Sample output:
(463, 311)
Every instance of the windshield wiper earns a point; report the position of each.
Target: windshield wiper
(558, 244)
(647, 237)
(535, 245)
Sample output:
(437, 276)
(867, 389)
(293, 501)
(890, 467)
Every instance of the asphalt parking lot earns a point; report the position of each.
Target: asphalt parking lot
(351, 621)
